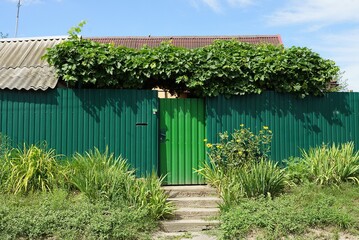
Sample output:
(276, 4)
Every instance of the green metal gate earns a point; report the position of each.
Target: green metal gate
(182, 131)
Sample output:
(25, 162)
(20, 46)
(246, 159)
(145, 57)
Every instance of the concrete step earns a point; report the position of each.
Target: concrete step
(203, 235)
(195, 202)
(195, 213)
(188, 225)
(190, 191)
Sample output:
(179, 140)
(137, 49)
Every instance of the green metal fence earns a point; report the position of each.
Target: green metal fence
(127, 122)
(79, 120)
(182, 131)
(296, 123)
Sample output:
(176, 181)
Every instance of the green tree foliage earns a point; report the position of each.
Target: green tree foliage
(224, 67)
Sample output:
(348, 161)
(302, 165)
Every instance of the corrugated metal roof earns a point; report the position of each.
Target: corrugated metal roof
(21, 66)
(185, 41)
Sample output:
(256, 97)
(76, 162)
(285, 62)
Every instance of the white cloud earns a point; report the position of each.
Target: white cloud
(219, 5)
(343, 48)
(313, 15)
(343, 45)
(240, 3)
(351, 74)
(319, 11)
(215, 5)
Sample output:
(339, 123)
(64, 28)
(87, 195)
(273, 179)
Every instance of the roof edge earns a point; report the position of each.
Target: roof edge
(189, 36)
(280, 39)
(33, 38)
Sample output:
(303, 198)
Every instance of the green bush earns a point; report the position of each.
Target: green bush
(294, 213)
(326, 165)
(58, 215)
(101, 176)
(240, 148)
(30, 169)
(240, 167)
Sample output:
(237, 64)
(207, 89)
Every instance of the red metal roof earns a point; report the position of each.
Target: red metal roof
(187, 42)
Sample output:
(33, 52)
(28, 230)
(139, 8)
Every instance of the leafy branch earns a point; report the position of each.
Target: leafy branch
(224, 67)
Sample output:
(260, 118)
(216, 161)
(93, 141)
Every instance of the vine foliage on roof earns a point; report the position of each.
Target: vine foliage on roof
(224, 67)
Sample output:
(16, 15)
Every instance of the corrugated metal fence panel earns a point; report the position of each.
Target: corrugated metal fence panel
(78, 120)
(296, 123)
(182, 149)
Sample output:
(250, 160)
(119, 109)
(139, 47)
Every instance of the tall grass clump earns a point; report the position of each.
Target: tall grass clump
(214, 175)
(102, 177)
(239, 166)
(99, 175)
(256, 179)
(261, 178)
(147, 193)
(326, 165)
(29, 169)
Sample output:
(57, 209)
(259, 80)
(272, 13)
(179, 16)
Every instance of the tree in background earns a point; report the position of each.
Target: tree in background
(3, 35)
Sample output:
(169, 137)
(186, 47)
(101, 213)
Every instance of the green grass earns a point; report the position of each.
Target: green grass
(294, 213)
(58, 215)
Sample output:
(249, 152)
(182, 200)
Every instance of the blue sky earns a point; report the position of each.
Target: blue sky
(329, 27)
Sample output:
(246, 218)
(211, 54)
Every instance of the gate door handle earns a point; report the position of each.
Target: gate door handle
(163, 135)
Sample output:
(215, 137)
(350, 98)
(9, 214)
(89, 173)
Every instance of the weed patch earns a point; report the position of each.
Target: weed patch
(294, 213)
(58, 215)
